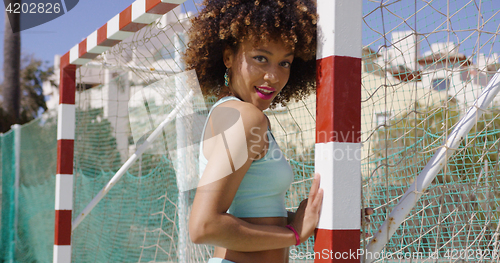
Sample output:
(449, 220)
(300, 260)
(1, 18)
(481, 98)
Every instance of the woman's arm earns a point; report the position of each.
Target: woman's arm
(209, 223)
(290, 217)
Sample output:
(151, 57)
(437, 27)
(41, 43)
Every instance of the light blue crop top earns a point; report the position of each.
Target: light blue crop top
(262, 190)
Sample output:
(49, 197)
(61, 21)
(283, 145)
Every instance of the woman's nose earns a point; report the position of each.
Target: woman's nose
(271, 76)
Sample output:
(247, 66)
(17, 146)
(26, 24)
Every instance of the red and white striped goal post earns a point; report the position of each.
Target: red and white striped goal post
(138, 15)
(338, 129)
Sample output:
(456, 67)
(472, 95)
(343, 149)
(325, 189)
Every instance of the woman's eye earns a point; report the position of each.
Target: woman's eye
(286, 64)
(260, 58)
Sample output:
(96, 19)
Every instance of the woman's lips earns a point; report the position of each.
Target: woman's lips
(265, 96)
(267, 88)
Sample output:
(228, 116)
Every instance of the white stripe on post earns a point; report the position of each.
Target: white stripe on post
(62, 253)
(113, 29)
(346, 160)
(66, 122)
(337, 38)
(74, 56)
(64, 192)
(139, 14)
(92, 46)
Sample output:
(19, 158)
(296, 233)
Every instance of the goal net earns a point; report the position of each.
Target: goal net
(424, 65)
(122, 96)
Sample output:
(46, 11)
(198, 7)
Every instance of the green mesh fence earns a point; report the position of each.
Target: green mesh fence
(424, 64)
(28, 210)
(36, 214)
(8, 198)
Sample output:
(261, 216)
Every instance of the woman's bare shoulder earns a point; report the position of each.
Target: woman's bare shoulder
(232, 111)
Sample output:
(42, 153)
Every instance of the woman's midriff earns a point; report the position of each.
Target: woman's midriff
(271, 256)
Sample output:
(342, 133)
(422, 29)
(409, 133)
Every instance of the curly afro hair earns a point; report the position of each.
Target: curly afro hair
(226, 23)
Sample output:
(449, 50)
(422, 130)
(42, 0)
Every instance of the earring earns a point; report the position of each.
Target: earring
(226, 78)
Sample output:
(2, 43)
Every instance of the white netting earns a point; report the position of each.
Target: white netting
(122, 96)
(424, 65)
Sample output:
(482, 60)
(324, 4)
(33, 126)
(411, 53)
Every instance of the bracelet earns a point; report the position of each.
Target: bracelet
(297, 238)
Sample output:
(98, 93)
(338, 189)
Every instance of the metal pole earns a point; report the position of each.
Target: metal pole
(182, 163)
(17, 153)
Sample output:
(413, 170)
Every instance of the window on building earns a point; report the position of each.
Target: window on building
(382, 118)
(440, 84)
(85, 86)
(166, 52)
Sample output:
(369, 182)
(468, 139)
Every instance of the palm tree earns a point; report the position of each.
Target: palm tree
(11, 66)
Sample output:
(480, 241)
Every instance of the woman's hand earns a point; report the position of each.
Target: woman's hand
(307, 215)
(367, 212)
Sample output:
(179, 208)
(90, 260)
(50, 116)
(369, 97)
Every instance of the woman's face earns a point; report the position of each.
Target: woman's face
(258, 74)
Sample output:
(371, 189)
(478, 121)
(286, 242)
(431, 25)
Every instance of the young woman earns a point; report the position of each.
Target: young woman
(251, 55)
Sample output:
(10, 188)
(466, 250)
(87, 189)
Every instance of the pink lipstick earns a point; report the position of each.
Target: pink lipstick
(263, 92)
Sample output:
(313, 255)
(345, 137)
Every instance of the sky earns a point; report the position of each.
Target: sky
(472, 25)
(61, 34)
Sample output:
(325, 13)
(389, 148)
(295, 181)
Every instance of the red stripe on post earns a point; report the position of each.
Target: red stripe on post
(339, 94)
(125, 17)
(334, 245)
(64, 60)
(102, 35)
(133, 27)
(82, 48)
(109, 42)
(157, 7)
(126, 23)
(89, 55)
(82, 51)
(62, 235)
(67, 94)
(65, 152)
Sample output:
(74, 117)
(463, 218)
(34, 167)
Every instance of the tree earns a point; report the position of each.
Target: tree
(11, 67)
(32, 75)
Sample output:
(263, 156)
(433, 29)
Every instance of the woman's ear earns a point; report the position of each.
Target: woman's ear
(228, 57)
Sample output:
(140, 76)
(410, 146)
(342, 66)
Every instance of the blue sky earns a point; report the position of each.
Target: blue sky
(474, 24)
(60, 34)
